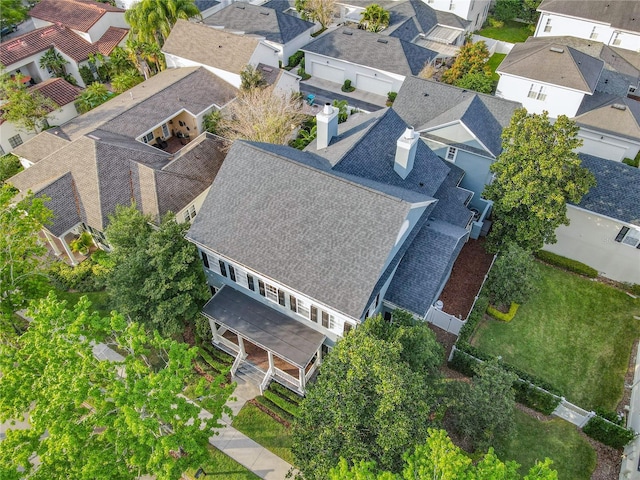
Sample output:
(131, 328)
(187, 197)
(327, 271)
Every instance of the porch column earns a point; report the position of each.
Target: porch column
(242, 352)
(52, 242)
(272, 365)
(301, 378)
(69, 252)
(214, 332)
(319, 356)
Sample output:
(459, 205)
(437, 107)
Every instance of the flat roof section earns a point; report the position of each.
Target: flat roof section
(269, 329)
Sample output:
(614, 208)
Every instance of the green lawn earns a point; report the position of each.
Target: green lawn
(222, 467)
(99, 300)
(259, 426)
(494, 61)
(557, 439)
(512, 32)
(575, 333)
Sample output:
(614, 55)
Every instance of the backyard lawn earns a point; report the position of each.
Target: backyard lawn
(494, 61)
(512, 32)
(260, 427)
(574, 333)
(222, 467)
(99, 300)
(533, 440)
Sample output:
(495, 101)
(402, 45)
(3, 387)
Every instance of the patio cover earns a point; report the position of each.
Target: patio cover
(264, 326)
(442, 34)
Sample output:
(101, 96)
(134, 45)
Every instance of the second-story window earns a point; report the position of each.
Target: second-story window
(547, 27)
(451, 153)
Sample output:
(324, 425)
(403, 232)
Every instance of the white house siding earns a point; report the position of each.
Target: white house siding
(560, 25)
(605, 145)
(174, 61)
(265, 54)
(287, 83)
(292, 46)
(371, 80)
(109, 19)
(468, 9)
(590, 239)
(558, 101)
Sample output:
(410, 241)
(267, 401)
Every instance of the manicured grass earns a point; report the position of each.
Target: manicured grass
(259, 426)
(574, 333)
(512, 32)
(224, 467)
(557, 439)
(99, 300)
(494, 61)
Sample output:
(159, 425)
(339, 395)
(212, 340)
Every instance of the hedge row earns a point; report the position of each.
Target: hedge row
(285, 405)
(268, 404)
(218, 354)
(476, 315)
(567, 263)
(219, 367)
(296, 58)
(527, 394)
(608, 433)
(505, 317)
(285, 393)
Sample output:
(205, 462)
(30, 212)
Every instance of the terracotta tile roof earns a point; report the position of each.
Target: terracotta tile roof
(58, 90)
(42, 39)
(76, 14)
(110, 40)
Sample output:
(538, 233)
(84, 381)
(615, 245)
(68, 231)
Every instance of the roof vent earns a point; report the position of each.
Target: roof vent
(267, 69)
(557, 49)
(619, 106)
(383, 40)
(264, 13)
(241, 7)
(347, 32)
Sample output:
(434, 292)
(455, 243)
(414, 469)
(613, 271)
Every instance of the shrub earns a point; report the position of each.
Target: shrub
(634, 288)
(608, 433)
(567, 263)
(391, 97)
(613, 417)
(218, 354)
(533, 397)
(494, 22)
(295, 59)
(204, 355)
(269, 405)
(86, 75)
(513, 277)
(347, 87)
(505, 317)
(82, 244)
(463, 363)
(285, 405)
(285, 393)
(632, 162)
(474, 317)
(303, 74)
(9, 166)
(80, 277)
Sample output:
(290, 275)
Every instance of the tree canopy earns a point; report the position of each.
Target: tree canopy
(375, 18)
(512, 277)
(92, 96)
(472, 59)
(368, 402)
(93, 419)
(152, 20)
(12, 11)
(320, 11)
(536, 174)
(24, 108)
(157, 278)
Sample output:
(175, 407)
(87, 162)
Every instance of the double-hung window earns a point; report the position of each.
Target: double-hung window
(629, 236)
(616, 39)
(594, 34)
(547, 27)
(271, 292)
(537, 93)
(451, 153)
(205, 259)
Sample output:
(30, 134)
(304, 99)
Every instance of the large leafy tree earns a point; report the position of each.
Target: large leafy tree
(152, 20)
(513, 277)
(12, 11)
(374, 18)
(536, 174)
(320, 11)
(367, 404)
(157, 278)
(439, 459)
(471, 59)
(93, 419)
(22, 253)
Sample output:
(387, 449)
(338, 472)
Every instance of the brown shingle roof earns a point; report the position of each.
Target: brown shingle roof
(58, 90)
(40, 146)
(42, 39)
(110, 40)
(209, 46)
(76, 14)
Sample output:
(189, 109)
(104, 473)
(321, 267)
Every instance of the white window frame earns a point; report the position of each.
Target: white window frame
(632, 90)
(594, 33)
(270, 290)
(537, 95)
(146, 138)
(303, 308)
(630, 237)
(165, 130)
(616, 39)
(452, 153)
(15, 141)
(547, 27)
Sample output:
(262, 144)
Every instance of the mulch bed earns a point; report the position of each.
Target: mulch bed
(277, 418)
(466, 278)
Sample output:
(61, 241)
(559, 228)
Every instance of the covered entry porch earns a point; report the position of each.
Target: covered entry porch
(282, 348)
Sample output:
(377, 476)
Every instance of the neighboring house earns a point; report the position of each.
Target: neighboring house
(145, 146)
(462, 127)
(609, 126)
(544, 74)
(22, 54)
(87, 18)
(373, 62)
(300, 247)
(225, 54)
(475, 11)
(604, 231)
(283, 32)
(58, 90)
(612, 22)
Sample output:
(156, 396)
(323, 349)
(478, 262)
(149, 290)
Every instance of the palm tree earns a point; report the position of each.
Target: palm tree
(375, 18)
(54, 62)
(152, 20)
(126, 80)
(94, 95)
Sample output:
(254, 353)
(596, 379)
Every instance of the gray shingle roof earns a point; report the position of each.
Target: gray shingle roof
(273, 25)
(373, 50)
(205, 4)
(63, 207)
(616, 192)
(419, 110)
(434, 250)
(564, 66)
(40, 146)
(623, 14)
(598, 111)
(307, 228)
(423, 19)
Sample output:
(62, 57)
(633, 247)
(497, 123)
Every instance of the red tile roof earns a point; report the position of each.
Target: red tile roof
(58, 90)
(76, 14)
(110, 40)
(42, 39)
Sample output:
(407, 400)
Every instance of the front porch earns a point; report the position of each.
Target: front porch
(276, 345)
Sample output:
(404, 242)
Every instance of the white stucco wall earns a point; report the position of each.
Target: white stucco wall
(109, 19)
(467, 9)
(590, 239)
(606, 145)
(558, 101)
(287, 83)
(291, 47)
(265, 54)
(561, 25)
(174, 61)
(342, 70)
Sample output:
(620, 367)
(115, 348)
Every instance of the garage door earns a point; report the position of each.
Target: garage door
(601, 149)
(373, 85)
(327, 72)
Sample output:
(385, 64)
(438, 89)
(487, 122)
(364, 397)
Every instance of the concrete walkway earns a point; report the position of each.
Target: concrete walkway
(630, 469)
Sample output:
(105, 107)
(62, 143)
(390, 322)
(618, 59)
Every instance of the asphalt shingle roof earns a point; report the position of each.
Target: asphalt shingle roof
(410, 17)
(309, 229)
(76, 14)
(61, 204)
(373, 50)
(598, 111)
(623, 14)
(616, 192)
(274, 25)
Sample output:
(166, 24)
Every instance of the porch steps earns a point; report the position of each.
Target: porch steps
(249, 373)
